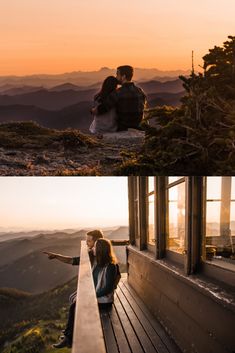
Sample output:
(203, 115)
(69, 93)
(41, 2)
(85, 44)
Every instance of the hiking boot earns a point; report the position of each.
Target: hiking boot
(66, 342)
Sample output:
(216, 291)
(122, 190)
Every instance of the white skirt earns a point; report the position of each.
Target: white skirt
(104, 123)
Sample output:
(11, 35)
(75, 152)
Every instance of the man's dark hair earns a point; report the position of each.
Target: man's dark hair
(95, 234)
(127, 71)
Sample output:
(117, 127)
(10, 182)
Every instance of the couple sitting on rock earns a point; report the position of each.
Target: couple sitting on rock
(117, 109)
(106, 275)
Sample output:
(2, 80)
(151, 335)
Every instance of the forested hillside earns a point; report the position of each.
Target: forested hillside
(197, 138)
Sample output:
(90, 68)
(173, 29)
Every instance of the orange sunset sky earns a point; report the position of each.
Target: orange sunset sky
(59, 36)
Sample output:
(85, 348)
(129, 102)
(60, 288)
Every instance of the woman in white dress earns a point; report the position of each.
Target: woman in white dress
(106, 122)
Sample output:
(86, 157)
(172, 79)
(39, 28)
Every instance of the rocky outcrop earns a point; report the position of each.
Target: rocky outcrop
(58, 158)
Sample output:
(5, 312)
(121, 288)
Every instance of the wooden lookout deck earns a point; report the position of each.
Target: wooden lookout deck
(129, 327)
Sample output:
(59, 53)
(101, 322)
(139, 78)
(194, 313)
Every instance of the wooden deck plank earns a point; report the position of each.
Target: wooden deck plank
(121, 338)
(130, 333)
(140, 332)
(110, 339)
(166, 339)
(129, 327)
(152, 334)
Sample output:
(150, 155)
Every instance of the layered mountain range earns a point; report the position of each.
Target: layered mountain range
(24, 266)
(64, 101)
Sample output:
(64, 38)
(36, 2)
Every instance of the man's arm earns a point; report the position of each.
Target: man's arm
(62, 258)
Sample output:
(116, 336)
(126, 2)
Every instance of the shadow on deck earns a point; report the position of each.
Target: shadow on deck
(129, 327)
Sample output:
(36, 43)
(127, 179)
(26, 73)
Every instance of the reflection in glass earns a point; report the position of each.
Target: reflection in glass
(150, 184)
(172, 179)
(233, 189)
(232, 212)
(176, 214)
(232, 219)
(220, 221)
(213, 190)
(213, 218)
(151, 227)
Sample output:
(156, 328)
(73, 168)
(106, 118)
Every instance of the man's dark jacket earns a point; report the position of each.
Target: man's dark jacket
(129, 101)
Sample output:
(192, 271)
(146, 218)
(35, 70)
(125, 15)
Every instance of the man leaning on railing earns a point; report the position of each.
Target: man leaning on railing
(106, 275)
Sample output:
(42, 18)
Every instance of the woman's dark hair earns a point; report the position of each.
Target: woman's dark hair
(108, 86)
(104, 252)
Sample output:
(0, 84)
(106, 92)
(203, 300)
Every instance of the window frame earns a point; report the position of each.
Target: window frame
(170, 254)
(192, 261)
(151, 247)
(209, 268)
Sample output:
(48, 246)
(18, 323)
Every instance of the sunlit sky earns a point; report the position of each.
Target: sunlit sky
(59, 203)
(68, 35)
(77, 202)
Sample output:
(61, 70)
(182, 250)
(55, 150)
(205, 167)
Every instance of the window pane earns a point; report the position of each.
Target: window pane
(176, 215)
(213, 218)
(213, 188)
(151, 226)
(232, 221)
(233, 189)
(173, 179)
(150, 184)
(220, 222)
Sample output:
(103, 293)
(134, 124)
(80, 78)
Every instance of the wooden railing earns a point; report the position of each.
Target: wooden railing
(120, 242)
(88, 335)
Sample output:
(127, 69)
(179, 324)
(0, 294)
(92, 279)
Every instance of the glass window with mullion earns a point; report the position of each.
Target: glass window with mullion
(220, 222)
(136, 211)
(176, 205)
(151, 212)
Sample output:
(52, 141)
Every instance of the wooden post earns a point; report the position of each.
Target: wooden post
(120, 242)
(88, 334)
(143, 212)
(197, 224)
(161, 217)
(131, 199)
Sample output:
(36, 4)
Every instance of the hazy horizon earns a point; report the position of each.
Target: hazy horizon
(62, 36)
(92, 71)
(56, 203)
(78, 228)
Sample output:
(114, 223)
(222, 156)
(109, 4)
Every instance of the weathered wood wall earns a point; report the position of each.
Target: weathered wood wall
(197, 319)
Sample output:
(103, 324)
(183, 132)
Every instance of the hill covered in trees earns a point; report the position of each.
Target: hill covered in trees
(197, 138)
(32, 323)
